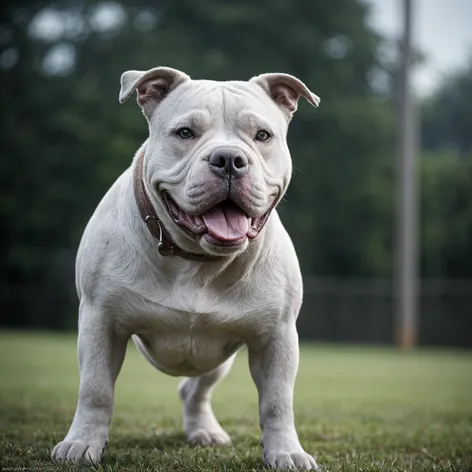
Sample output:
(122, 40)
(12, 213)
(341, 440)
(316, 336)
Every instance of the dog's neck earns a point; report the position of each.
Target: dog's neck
(166, 245)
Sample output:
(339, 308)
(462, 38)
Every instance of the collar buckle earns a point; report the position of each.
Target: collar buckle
(155, 228)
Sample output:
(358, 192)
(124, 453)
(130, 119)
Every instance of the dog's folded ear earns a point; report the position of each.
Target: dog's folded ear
(152, 85)
(285, 90)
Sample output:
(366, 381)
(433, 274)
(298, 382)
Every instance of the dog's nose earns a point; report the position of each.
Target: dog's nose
(228, 162)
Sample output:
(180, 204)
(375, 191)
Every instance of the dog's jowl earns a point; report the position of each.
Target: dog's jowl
(187, 255)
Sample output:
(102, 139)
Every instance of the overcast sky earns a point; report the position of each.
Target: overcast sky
(442, 30)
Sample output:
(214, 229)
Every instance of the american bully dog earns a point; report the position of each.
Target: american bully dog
(187, 255)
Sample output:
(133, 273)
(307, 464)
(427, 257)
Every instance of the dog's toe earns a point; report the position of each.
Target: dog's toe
(77, 452)
(304, 461)
(294, 461)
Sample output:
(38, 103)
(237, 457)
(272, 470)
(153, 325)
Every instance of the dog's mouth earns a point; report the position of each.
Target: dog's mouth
(225, 224)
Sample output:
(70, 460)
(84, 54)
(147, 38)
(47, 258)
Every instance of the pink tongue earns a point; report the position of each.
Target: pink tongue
(226, 222)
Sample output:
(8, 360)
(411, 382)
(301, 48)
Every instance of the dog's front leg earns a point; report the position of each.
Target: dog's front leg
(101, 352)
(273, 360)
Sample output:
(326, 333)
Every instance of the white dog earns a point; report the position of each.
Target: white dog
(186, 254)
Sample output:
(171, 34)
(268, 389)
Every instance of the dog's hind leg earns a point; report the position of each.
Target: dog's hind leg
(199, 421)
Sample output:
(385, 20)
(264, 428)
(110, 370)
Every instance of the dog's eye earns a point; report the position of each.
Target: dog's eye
(185, 133)
(262, 135)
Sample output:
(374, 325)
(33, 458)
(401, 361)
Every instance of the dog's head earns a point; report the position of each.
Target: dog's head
(217, 160)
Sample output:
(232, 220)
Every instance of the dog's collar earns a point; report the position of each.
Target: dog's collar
(166, 246)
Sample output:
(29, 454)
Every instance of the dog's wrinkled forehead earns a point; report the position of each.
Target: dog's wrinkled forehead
(220, 100)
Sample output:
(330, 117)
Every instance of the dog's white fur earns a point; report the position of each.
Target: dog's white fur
(190, 317)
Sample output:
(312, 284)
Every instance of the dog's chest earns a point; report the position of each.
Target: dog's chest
(189, 343)
(187, 353)
(191, 332)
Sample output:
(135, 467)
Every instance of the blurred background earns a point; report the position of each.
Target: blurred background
(64, 139)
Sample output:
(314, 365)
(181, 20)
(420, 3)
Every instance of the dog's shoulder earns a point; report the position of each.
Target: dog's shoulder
(105, 236)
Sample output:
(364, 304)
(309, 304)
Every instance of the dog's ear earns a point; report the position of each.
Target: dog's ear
(152, 85)
(285, 90)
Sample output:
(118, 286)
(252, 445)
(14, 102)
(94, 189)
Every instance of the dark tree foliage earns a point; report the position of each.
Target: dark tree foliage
(447, 178)
(447, 116)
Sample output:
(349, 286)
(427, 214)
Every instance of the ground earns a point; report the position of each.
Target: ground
(356, 408)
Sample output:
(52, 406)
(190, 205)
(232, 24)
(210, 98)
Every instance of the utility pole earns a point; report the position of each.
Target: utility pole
(407, 223)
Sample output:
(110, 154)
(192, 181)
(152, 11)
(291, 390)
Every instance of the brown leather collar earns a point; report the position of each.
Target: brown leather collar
(165, 246)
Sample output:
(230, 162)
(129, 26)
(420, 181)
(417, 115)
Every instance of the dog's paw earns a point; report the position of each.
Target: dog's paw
(78, 452)
(290, 461)
(209, 437)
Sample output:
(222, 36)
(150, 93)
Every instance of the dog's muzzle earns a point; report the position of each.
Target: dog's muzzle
(225, 224)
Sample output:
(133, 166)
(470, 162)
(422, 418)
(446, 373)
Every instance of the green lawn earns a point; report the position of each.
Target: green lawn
(357, 408)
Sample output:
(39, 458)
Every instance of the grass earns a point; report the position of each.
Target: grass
(357, 409)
